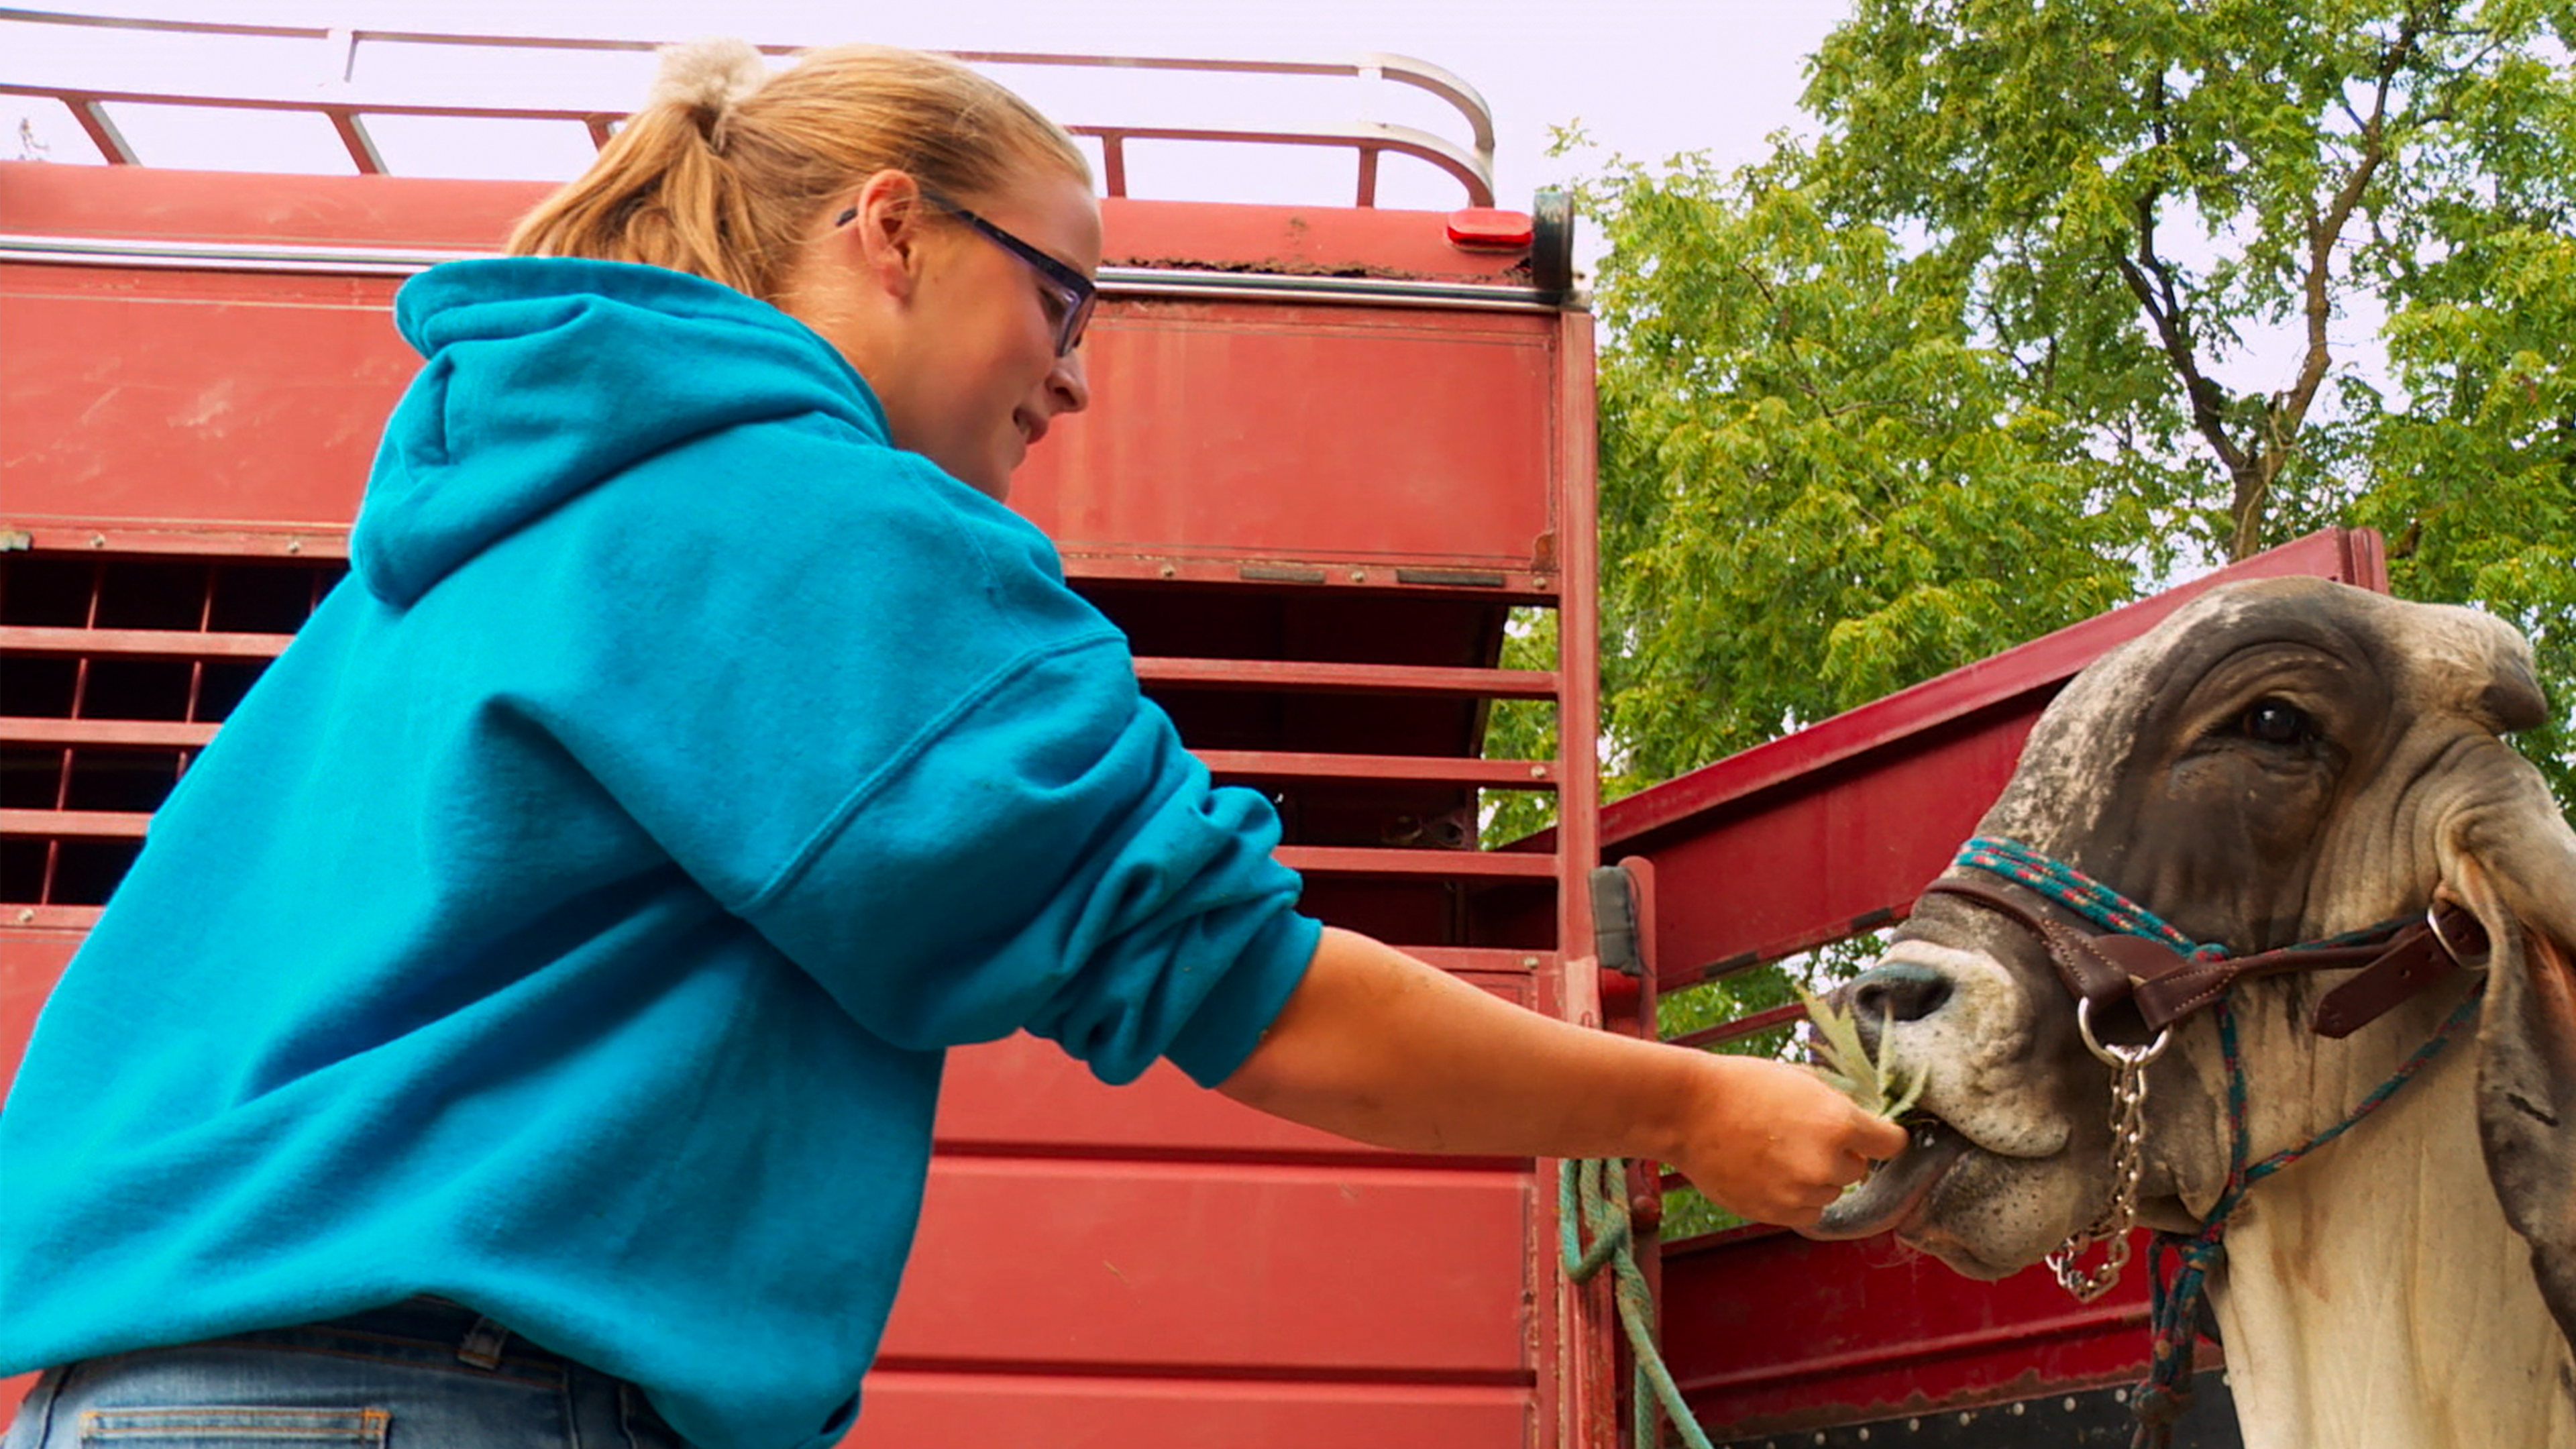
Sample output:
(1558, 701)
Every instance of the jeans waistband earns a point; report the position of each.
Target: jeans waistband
(426, 1318)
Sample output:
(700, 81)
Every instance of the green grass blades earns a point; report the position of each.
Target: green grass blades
(1843, 1060)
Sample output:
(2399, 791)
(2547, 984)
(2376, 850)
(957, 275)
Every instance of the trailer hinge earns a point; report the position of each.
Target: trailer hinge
(1614, 920)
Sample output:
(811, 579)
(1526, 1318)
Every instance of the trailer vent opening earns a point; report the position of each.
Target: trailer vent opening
(119, 667)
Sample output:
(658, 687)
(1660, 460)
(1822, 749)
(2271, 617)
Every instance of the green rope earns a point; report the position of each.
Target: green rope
(1582, 1204)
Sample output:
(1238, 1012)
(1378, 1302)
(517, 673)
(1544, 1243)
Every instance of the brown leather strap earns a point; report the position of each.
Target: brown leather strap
(2120, 972)
(2102, 969)
(2415, 959)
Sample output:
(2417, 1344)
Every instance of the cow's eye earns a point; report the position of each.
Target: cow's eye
(2276, 723)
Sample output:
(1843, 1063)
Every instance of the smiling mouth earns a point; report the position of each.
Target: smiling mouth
(1894, 1189)
(1031, 428)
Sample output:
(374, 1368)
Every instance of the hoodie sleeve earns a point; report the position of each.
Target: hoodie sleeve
(1049, 857)
(862, 710)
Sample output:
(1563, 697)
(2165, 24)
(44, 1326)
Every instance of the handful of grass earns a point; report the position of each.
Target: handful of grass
(1844, 1061)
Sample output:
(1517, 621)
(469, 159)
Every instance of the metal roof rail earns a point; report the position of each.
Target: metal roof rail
(89, 86)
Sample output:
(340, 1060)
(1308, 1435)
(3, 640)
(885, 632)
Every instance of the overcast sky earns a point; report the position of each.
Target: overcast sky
(1646, 78)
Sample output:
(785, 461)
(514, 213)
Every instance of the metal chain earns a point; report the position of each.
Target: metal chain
(2128, 1164)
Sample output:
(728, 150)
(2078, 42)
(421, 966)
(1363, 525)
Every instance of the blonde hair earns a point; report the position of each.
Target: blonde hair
(727, 165)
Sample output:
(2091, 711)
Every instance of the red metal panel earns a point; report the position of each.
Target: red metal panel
(30, 959)
(1023, 1094)
(128, 396)
(1294, 240)
(1218, 1268)
(221, 206)
(1081, 1411)
(1767, 1332)
(132, 395)
(1314, 433)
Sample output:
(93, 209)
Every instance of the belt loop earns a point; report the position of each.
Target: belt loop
(482, 1345)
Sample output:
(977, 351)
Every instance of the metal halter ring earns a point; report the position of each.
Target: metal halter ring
(2117, 1056)
(2433, 923)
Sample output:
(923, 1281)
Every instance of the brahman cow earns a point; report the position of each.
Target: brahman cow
(2286, 763)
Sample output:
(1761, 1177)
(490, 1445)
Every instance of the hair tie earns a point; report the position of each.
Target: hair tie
(711, 76)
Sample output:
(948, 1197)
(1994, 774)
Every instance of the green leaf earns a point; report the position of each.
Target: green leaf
(1844, 1061)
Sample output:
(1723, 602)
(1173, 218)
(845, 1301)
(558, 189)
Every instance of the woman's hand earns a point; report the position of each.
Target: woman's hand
(1773, 1143)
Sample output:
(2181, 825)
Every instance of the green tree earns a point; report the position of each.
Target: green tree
(2140, 195)
(2068, 300)
(1816, 487)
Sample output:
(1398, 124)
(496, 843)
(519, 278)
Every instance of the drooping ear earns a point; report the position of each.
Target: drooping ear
(2512, 859)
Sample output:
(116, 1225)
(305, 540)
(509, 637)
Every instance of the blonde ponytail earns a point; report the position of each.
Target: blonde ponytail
(727, 166)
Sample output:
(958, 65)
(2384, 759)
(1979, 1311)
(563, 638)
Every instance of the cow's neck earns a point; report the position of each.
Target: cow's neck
(2374, 1297)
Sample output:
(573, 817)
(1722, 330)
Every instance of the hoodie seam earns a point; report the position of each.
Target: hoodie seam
(974, 540)
(791, 874)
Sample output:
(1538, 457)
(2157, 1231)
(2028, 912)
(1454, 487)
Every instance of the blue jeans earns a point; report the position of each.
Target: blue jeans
(422, 1374)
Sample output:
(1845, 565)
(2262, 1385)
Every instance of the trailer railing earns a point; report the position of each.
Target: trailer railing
(96, 84)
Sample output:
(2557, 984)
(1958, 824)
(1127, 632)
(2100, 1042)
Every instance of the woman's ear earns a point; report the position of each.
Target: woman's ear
(883, 228)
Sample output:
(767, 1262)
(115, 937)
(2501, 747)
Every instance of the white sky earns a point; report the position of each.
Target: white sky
(1647, 78)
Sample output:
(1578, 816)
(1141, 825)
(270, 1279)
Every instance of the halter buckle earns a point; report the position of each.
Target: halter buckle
(2433, 923)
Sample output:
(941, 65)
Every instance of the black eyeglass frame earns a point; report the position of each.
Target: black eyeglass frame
(1075, 293)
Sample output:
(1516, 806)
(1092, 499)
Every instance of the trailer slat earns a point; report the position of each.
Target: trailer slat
(142, 643)
(1361, 860)
(1441, 769)
(21, 730)
(1356, 678)
(77, 824)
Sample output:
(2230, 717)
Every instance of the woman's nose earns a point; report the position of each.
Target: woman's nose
(1068, 384)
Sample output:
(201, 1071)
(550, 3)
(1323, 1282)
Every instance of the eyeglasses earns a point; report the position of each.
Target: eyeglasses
(1070, 295)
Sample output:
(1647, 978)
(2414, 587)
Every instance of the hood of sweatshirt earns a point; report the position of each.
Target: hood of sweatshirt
(547, 376)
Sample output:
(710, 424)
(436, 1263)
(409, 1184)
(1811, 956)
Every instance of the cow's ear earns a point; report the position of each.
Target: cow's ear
(2514, 864)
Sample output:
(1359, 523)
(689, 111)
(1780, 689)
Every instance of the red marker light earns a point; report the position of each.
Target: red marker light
(1489, 229)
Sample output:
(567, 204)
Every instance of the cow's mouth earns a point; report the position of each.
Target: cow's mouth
(1893, 1189)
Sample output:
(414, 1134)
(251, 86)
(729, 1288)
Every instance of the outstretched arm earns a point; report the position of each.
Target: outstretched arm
(1379, 1047)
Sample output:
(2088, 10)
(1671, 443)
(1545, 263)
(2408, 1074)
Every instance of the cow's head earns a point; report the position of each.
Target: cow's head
(2278, 762)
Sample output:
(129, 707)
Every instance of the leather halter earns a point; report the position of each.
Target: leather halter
(2160, 985)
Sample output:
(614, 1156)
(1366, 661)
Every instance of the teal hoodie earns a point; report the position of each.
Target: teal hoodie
(571, 921)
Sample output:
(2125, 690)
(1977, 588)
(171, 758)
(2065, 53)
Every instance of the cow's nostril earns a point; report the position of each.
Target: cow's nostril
(1898, 991)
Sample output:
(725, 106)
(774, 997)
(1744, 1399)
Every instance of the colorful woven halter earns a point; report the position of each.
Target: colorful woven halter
(2178, 1265)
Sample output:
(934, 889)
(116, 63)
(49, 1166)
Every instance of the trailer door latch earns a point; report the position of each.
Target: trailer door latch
(1614, 920)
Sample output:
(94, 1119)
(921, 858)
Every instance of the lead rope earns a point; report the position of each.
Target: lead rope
(2178, 1268)
(1605, 1213)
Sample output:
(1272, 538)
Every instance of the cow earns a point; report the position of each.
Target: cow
(2269, 944)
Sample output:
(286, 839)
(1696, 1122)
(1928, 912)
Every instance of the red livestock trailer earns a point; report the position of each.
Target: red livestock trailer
(1335, 449)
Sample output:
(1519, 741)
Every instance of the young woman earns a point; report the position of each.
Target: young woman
(524, 1023)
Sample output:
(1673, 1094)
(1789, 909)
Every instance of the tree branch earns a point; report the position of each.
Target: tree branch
(2288, 410)
(2173, 330)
